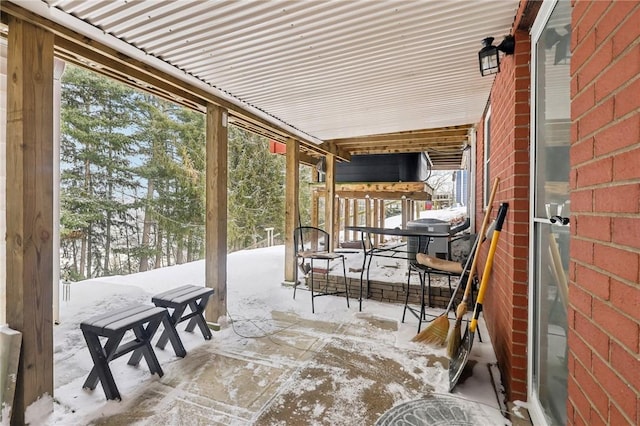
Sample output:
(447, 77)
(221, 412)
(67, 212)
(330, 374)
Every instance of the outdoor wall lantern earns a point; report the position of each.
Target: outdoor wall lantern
(489, 57)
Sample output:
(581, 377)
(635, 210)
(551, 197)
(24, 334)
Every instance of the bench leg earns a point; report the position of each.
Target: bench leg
(172, 333)
(101, 357)
(166, 333)
(144, 335)
(199, 318)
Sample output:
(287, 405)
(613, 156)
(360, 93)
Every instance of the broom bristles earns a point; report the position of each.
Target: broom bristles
(455, 340)
(461, 310)
(434, 333)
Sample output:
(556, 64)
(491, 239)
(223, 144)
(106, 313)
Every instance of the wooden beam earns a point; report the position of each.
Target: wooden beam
(332, 148)
(379, 187)
(216, 219)
(383, 195)
(438, 143)
(307, 160)
(292, 179)
(412, 135)
(30, 209)
(330, 196)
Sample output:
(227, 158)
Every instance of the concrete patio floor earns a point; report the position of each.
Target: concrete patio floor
(275, 363)
(301, 375)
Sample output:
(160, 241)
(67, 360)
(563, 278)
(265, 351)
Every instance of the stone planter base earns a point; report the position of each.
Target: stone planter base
(391, 292)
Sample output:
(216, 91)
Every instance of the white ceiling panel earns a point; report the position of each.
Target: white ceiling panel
(332, 69)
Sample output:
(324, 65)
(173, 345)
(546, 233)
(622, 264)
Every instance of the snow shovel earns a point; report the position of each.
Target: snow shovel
(459, 359)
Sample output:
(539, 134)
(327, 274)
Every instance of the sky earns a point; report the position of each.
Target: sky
(255, 291)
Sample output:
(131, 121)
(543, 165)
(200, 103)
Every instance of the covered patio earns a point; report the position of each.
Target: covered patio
(332, 81)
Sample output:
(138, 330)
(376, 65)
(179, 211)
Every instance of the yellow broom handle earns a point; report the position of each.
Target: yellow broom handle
(502, 213)
(483, 229)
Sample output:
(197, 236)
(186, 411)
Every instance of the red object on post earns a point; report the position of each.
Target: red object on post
(276, 147)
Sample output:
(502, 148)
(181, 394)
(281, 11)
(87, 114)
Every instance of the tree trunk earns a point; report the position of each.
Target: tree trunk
(74, 249)
(107, 245)
(179, 250)
(89, 252)
(146, 229)
(83, 255)
(168, 248)
(127, 242)
(158, 263)
(107, 242)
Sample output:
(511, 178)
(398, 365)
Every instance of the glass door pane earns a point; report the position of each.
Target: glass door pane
(550, 320)
(550, 237)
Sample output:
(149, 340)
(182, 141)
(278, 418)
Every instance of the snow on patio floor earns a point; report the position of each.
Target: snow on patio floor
(273, 362)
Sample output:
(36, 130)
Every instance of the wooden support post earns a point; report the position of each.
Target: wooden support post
(292, 182)
(216, 220)
(405, 213)
(376, 221)
(336, 223)
(345, 214)
(330, 196)
(354, 212)
(367, 215)
(315, 178)
(30, 209)
(315, 206)
(382, 217)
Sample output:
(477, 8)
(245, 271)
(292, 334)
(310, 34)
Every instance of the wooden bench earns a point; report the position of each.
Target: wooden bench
(195, 297)
(144, 321)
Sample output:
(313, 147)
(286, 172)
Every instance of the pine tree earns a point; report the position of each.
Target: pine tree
(95, 151)
(256, 189)
(133, 181)
(172, 148)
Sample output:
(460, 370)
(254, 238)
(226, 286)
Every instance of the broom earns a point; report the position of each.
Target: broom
(455, 339)
(436, 331)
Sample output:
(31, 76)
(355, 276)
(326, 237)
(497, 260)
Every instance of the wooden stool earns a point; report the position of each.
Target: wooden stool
(178, 299)
(144, 321)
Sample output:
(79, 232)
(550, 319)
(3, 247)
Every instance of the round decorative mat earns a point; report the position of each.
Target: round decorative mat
(437, 410)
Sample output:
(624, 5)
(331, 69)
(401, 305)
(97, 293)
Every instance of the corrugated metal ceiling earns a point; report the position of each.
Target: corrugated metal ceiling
(333, 69)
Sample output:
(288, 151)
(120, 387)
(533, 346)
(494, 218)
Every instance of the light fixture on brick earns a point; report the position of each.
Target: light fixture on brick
(489, 57)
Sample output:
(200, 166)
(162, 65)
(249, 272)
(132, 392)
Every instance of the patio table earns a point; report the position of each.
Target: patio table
(396, 251)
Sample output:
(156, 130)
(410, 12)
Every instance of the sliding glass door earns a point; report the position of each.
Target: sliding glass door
(550, 209)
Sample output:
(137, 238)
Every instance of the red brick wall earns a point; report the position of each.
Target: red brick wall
(505, 305)
(604, 308)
